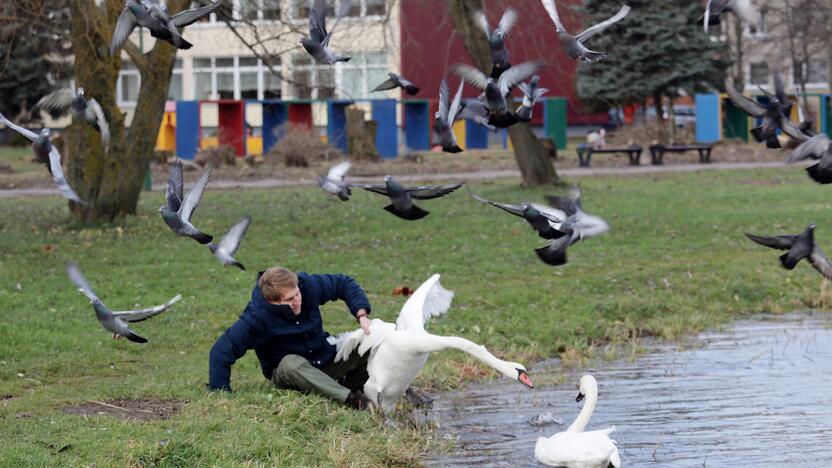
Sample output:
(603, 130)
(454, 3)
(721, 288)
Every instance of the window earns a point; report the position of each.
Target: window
(758, 31)
(300, 8)
(128, 84)
(249, 9)
(815, 72)
(203, 79)
(175, 88)
(759, 74)
(248, 77)
(363, 73)
(374, 7)
(235, 78)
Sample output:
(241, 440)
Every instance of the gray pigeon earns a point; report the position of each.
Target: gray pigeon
(116, 322)
(574, 45)
(334, 183)
(154, 16)
(443, 123)
(45, 151)
(774, 114)
(744, 9)
(578, 225)
(89, 111)
(397, 81)
(178, 210)
(317, 43)
(818, 147)
(401, 197)
(496, 91)
(531, 93)
(799, 246)
(224, 251)
(474, 110)
(496, 37)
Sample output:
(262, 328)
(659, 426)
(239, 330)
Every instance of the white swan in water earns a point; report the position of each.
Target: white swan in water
(399, 352)
(575, 448)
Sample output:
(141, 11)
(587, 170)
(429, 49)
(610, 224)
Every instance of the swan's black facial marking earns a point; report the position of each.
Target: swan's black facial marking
(579, 397)
(524, 379)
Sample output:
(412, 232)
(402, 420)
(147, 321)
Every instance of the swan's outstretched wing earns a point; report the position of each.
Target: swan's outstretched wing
(429, 300)
(144, 314)
(348, 342)
(593, 30)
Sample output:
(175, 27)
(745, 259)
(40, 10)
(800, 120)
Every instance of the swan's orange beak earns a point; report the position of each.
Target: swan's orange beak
(524, 379)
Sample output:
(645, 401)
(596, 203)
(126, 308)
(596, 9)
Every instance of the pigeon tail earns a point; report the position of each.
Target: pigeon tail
(202, 238)
(452, 149)
(789, 261)
(821, 176)
(342, 59)
(238, 265)
(412, 90)
(135, 338)
(412, 214)
(773, 142)
(343, 196)
(551, 257)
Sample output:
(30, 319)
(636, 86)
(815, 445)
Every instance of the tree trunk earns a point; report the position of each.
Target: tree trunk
(535, 166)
(739, 58)
(110, 180)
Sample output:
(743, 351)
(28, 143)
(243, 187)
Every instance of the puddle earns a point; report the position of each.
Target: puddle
(757, 394)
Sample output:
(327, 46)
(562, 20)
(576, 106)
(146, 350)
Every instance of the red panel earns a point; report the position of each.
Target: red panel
(300, 114)
(232, 125)
(430, 46)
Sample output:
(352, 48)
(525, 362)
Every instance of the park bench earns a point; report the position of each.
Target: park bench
(657, 152)
(585, 153)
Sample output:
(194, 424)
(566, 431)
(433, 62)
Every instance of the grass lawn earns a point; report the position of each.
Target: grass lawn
(674, 263)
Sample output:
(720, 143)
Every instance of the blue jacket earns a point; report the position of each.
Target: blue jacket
(273, 331)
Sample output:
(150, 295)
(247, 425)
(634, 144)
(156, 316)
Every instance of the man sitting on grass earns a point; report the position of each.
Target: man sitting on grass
(282, 324)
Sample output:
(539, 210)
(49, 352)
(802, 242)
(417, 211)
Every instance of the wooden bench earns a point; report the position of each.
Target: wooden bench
(585, 153)
(657, 152)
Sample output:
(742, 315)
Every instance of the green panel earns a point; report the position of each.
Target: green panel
(735, 121)
(554, 120)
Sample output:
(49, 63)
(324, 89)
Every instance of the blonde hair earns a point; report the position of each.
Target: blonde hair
(274, 280)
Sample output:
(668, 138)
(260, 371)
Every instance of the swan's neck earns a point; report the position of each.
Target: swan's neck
(582, 420)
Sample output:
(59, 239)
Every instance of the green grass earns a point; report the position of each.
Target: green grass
(674, 263)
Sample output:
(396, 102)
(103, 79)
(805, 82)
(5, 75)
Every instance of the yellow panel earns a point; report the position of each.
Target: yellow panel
(166, 140)
(209, 142)
(459, 133)
(510, 145)
(254, 145)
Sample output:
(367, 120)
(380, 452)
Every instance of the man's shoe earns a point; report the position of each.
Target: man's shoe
(358, 401)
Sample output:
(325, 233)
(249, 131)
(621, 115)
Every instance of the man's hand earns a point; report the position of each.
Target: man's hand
(365, 324)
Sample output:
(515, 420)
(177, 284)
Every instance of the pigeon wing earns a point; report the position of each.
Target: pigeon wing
(339, 171)
(175, 190)
(593, 30)
(429, 300)
(774, 242)
(552, 9)
(565, 204)
(231, 240)
(482, 21)
(517, 74)
(507, 20)
(431, 191)
(101, 119)
(195, 195)
(444, 102)
(390, 83)
(188, 17)
(30, 135)
(58, 176)
(814, 148)
(791, 130)
(57, 101)
(317, 22)
(125, 25)
(379, 189)
(80, 281)
(472, 75)
(454, 109)
(144, 314)
(821, 263)
(746, 105)
(516, 210)
(747, 12)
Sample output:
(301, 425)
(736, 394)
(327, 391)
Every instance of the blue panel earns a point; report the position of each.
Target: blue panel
(476, 136)
(504, 137)
(417, 125)
(275, 116)
(708, 126)
(387, 134)
(336, 124)
(187, 129)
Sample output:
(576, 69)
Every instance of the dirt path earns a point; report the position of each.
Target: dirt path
(463, 176)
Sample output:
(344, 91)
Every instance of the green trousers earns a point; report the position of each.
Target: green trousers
(334, 381)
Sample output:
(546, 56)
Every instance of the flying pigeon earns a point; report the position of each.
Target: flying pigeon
(744, 9)
(45, 151)
(445, 116)
(818, 147)
(334, 183)
(531, 93)
(116, 322)
(224, 251)
(496, 38)
(178, 210)
(317, 43)
(773, 114)
(474, 110)
(574, 45)
(89, 111)
(799, 246)
(496, 91)
(401, 197)
(397, 81)
(578, 225)
(155, 18)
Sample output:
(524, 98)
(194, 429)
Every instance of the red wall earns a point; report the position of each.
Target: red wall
(430, 46)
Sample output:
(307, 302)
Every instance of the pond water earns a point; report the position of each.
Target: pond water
(758, 393)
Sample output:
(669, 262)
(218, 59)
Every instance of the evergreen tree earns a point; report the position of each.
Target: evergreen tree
(33, 53)
(658, 50)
